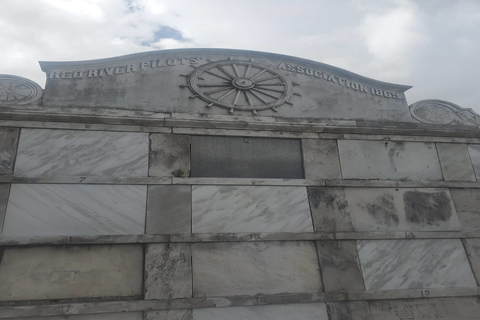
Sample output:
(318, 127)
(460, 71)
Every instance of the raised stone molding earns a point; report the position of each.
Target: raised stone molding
(15, 90)
(434, 111)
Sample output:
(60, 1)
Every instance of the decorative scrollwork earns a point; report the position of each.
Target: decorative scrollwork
(17, 90)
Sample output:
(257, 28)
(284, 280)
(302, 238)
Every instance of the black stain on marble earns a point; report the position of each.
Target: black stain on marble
(383, 210)
(429, 208)
(394, 149)
(326, 197)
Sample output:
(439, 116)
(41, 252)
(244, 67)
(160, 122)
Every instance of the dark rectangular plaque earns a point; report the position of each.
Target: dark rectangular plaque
(237, 157)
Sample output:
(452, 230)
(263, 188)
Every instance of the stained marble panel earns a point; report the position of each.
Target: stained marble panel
(330, 210)
(472, 246)
(103, 316)
(414, 264)
(401, 209)
(77, 153)
(169, 209)
(467, 205)
(389, 160)
(254, 268)
(168, 271)
(169, 315)
(217, 209)
(306, 311)
(71, 272)
(474, 151)
(455, 162)
(320, 159)
(169, 155)
(340, 266)
(460, 308)
(4, 191)
(56, 209)
(8, 148)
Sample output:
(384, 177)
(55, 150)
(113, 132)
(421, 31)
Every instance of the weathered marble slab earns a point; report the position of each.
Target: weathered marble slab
(71, 272)
(8, 149)
(217, 209)
(169, 155)
(330, 210)
(461, 308)
(4, 191)
(168, 271)
(57, 209)
(306, 311)
(340, 266)
(389, 160)
(455, 162)
(472, 246)
(169, 315)
(320, 159)
(467, 206)
(474, 151)
(401, 209)
(76, 153)
(169, 209)
(414, 264)
(253, 268)
(104, 316)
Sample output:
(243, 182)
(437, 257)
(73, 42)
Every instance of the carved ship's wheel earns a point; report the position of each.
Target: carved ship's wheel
(240, 85)
(18, 90)
(433, 113)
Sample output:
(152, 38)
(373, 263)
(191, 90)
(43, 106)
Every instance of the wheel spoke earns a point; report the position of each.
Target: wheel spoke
(215, 85)
(248, 70)
(258, 74)
(248, 98)
(216, 75)
(271, 84)
(258, 97)
(268, 89)
(237, 95)
(226, 72)
(215, 91)
(265, 93)
(236, 70)
(226, 94)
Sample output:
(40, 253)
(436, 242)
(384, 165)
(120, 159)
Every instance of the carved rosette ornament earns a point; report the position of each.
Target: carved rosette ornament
(16, 90)
(443, 112)
(240, 85)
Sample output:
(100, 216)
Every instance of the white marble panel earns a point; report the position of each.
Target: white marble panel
(389, 160)
(320, 159)
(102, 316)
(414, 264)
(306, 311)
(455, 162)
(217, 209)
(255, 268)
(474, 151)
(76, 153)
(57, 209)
(401, 209)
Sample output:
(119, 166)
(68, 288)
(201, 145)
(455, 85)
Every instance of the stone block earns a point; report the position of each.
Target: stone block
(101, 316)
(401, 209)
(320, 159)
(219, 209)
(455, 162)
(57, 209)
(386, 160)
(169, 315)
(330, 211)
(306, 311)
(474, 151)
(472, 246)
(340, 266)
(168, 271)
(169, 155)
(4, 191)
(8, 149)
(414, 264)
(40, 273)
(255, 268)
(338, 311)
(78, 153)
(169, 209)
(467, 206)
(464, 308)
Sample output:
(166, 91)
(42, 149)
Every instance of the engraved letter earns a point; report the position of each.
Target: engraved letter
(54, 74)
(92, 73)
(66, 74)
(119, 70)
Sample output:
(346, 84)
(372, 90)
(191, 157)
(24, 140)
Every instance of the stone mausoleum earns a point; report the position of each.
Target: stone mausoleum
(213, 184)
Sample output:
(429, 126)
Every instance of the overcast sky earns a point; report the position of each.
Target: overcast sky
(433, 45)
